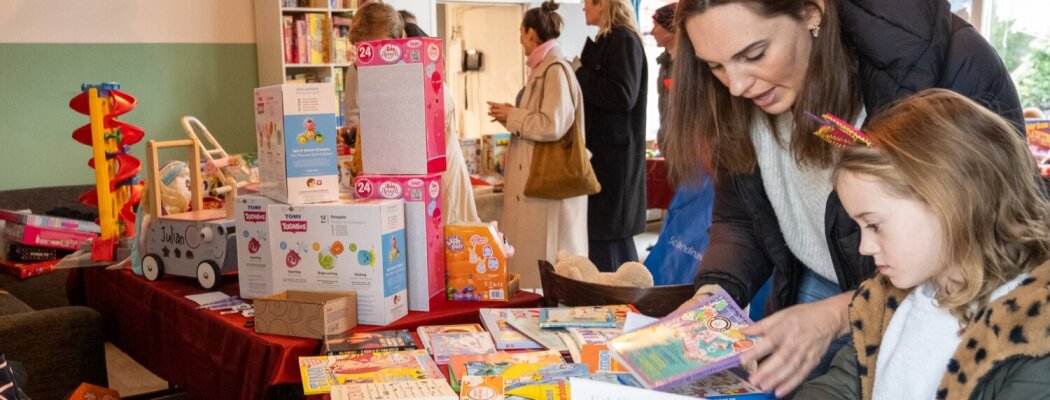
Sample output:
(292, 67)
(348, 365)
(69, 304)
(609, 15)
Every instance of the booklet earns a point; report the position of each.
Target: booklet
(593, 317)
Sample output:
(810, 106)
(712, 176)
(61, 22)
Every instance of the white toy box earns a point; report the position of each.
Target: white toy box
(402, 102)
(423, 229)
(296, 134)
(254, 272)
(344, 246)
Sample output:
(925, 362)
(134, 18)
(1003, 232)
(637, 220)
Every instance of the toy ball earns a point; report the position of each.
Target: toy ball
(326, 261)
(353, 247)
(284, 246)
(364, 257)
(317, 246)
(245, 234)
(336, 248)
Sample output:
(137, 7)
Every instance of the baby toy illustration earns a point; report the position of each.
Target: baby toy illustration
(395, 253)
(310, 133)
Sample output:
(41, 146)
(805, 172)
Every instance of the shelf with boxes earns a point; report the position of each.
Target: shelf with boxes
(304, 41)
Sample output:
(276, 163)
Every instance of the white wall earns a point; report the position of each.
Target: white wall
(140, 21)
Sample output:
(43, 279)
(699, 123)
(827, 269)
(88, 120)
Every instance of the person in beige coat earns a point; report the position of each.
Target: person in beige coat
(550, 103)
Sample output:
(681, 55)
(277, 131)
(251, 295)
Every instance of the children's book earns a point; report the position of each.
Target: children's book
(368, 342)
(477, 387)
(447, 344)
(619, 378)
(457, 364)
(594, 350)
(425, 332)
(320, 373)
(723, 385)
(564, 317)
(548, 338)
(427, 389)
(532, 380)
(506, 337)
(24, 270)
(686, 345)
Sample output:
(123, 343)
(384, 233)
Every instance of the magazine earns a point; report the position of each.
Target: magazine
(320, 373)
(505, 336)
(427, 389)
(595, 317)
(425, 332)
(548, 338)
(477, 387)
(457, 364)
(448, 344)
(722, 385)
(368, 342)
(686, 345)
(531, 380)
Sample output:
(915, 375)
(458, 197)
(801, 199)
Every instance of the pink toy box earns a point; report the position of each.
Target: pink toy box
(295, 129)
(46, 231)
(354, 246)
(423, 228)
(402, 102)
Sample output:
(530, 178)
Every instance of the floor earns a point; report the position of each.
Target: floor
(129, 378)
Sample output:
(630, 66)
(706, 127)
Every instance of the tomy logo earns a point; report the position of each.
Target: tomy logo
(293, 226)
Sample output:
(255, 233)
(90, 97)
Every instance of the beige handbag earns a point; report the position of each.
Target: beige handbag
(561, 169)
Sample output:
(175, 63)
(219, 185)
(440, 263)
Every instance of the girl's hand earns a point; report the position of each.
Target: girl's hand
(499, 111)
(793, 340)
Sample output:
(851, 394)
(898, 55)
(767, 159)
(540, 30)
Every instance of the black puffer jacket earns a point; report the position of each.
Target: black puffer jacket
(904, 46)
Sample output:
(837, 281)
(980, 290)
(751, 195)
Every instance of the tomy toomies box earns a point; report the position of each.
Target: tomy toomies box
(254, 269)
(345, 246)
(296, 134)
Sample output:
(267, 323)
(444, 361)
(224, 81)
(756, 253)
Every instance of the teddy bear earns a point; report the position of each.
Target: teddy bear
(581, 268)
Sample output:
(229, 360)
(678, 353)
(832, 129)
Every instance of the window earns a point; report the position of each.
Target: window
(1018, 31)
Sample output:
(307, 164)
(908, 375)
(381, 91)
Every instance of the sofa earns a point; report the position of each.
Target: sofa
(58, 345)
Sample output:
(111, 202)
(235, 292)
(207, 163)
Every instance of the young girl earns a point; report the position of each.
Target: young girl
(953, 215)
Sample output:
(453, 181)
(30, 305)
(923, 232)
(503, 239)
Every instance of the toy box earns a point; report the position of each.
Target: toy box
(45, 236)
(471, 154)
(353, 245)
(423, 229)
(254, 272)
(494, 153)
(306, 314)
(476, 263)
(295, 129)
(402, 102)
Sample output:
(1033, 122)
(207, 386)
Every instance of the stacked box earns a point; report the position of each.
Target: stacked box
(254, 272)
(402, 105)
(296, 133)
(346, 246)
(423, 228)
(476, 263)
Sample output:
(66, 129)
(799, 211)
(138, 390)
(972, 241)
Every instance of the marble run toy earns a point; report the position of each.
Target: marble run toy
(118, 188)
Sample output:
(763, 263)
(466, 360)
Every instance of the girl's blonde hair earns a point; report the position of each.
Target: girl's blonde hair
(376, 20)
(975, 173)
(615, 13)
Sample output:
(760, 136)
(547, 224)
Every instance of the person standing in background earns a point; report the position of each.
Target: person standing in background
(612, 72)
(663, 32)
(550, 104)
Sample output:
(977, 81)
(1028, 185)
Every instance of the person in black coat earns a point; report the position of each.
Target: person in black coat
(613, 74)
(746, 74)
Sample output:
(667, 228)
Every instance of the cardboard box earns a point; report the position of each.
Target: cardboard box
(424, 231)
(344, 246)
(306, 314)
(254, 272)
(402, 101)
(494, 153)
(476, 263)
(296, 133)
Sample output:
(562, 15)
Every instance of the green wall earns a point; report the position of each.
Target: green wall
(213, 82)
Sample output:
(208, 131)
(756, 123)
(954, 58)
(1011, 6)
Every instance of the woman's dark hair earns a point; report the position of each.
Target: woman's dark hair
(715, 127)
(544, 20)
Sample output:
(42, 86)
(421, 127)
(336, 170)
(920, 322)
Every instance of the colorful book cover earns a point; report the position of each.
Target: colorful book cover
(723, 385)
(447, 344)
(533, 380)
(548, 338)
(506, 337)
(369, 342)
(320, 373)
(457, 364)
(594, 317)
(686, 345)
(476, 387)
(425, 332)
(594, 350)
(426, 389)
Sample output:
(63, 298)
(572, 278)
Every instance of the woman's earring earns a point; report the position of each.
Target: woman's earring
(815, 31)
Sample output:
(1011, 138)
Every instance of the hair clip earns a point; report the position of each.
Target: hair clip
(839, 132)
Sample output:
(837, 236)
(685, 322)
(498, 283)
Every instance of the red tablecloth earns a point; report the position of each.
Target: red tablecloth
(212, 355)
(658, 189)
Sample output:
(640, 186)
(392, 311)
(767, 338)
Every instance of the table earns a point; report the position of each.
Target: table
(658, 189)
(212, 355)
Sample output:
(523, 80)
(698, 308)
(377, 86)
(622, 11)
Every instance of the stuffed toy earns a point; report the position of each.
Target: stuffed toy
(581, 268)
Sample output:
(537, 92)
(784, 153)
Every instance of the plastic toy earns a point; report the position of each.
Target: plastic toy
(117, 186)
(199, 243)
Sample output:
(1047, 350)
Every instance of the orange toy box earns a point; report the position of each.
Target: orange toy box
(475, 263)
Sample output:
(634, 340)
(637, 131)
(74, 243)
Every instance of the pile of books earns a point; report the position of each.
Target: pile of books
(536, 353)
(32, 244)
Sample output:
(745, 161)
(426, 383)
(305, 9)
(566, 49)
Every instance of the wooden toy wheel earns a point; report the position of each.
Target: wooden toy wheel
(208, 275)
(152, 267)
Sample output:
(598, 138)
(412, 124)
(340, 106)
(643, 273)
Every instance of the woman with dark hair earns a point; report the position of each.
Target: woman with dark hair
(614, 75)
(746, 74)
(550, 104)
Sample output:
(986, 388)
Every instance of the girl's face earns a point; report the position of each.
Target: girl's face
(592, 11)
(902, 234)
(757, 58)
